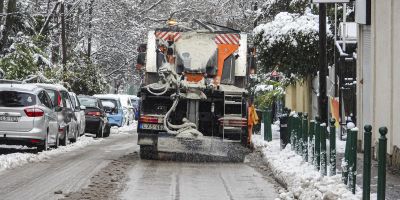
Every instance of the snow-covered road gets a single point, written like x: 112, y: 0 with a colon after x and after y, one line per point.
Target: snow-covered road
x: 67, y: 169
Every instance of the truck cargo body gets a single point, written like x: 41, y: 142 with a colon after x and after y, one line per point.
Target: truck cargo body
x: 199, y: 78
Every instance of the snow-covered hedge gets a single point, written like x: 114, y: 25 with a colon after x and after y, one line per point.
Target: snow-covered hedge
x: 289, y: 44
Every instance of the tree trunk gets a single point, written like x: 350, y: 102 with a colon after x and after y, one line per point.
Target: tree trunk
x: 89, y: 47
x: 63, y: 37
x: 1, y: 10
x: 11, y: 8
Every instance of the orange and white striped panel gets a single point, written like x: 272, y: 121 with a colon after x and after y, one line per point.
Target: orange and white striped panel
x: 228, y: 38
x: 165, y: 35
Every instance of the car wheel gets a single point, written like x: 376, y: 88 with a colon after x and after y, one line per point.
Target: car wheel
x: 57, y: 142
x: 75, y: 136
x: 64, y: 141
x: 45, y: 145
x: 100, y: 131
x: 107, y: 131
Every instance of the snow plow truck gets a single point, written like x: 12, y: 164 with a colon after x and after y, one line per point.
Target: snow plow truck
x: 194, y: 90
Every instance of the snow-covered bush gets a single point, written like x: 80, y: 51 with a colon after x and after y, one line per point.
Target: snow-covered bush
x: 290, y: 44
x: 24, y: 58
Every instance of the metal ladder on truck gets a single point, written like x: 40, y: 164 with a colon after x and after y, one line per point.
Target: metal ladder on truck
x: 231, y: 121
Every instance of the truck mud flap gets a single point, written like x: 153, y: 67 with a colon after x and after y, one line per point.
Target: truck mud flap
x: 147, y: 139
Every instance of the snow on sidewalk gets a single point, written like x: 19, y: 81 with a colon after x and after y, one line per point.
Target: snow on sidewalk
x: 13, y: 160
x: 301, y: 178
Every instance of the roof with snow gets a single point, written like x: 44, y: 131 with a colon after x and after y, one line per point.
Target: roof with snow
x: 20, y: 87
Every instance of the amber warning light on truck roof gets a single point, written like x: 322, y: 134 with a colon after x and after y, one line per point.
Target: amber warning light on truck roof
x: 172, y: 22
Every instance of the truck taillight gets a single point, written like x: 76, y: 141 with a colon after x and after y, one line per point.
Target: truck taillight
x: 233, y: 122
x: 149, y: 119
x: 34, y: 112
x: 94, y: 114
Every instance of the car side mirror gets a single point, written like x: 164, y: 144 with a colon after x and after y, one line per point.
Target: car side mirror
x: 82, y: 107
x: 58, y: 109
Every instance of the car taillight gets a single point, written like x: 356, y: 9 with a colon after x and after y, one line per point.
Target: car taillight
x: 34, y: 112
x: 94, y: 113
x: 149, y: 119
x: 59, y: 100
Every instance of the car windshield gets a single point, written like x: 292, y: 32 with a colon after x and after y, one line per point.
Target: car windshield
x: 88, y: 102
x: 16, y: 99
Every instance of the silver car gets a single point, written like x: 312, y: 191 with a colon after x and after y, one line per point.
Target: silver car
x: 62, y: 102
x: 27, y: 117
x: 79, y: 113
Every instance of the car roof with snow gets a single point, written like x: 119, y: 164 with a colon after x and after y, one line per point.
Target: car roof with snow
x: 20, y: 87
x: 51, y: 86
x: 107, y: 96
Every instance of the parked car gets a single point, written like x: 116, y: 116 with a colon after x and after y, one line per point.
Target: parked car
x: 113, y: 108
x: 27, y: 117
x: 127, y: 108
x: 135, y: 103
x: 67, y: 121
x: 96, y: 118
x: 79, y: 113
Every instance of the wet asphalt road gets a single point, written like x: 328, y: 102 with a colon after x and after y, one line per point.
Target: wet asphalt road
x: 182, y: 180
x: 112, y: 169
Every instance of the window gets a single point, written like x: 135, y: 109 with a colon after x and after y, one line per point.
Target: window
x: 88, y: 102
x: 74, y: 103
x: 44, y: 99
x: 66, y: 98
x: 16, y: 99
x: 53, y: 96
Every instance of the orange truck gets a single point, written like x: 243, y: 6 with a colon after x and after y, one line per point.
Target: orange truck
x: 194, y: 86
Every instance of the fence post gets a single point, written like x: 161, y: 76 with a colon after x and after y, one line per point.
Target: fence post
x: 312, y: 144
x: 267, y: 125
x: 346, y: 159
x: 382, y: 163
x: 305, y: 137
x: 353, y: 160
x: 323, y: 133
x: 299, y: 145
x: 367, y: 163
x: 332, y: 147
x: 317, y: 144
x: 294, y: 132
x: 290, y: 126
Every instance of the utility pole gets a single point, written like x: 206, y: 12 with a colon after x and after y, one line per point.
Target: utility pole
x: 63, y: 37
x: 322, y: 98
x: 89, y: 47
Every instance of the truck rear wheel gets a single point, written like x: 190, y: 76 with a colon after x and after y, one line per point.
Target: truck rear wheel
x: 148, y: 152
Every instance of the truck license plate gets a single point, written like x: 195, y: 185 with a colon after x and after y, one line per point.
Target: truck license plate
x: 159, y: 127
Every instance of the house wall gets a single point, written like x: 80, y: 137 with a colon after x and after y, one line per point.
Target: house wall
x: 298, y: 97
x: 379, y: 84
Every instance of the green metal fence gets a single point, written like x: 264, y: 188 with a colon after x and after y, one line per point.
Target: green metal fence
x: 309, y: 139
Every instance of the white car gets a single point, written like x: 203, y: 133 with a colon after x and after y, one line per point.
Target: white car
x: 127, y: 108
x: 79, y: 113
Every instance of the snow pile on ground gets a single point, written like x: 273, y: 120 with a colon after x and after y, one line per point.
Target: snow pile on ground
x: 300, y: 178
x: 9, y: 161
x: 124, y: 129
